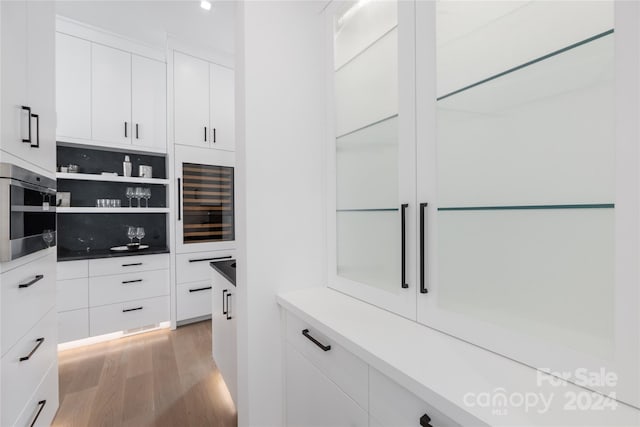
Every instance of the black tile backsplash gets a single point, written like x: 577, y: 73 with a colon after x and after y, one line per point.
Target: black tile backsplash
x: 85, y: 193
x: 98, y: 161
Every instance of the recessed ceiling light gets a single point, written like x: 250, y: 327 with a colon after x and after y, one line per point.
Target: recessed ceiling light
x: 205, y: 5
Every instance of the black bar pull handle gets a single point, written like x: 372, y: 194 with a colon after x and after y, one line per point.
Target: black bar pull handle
x: 39, y: 342
x: 228, y: 310
x: 224, y: 299
x: 32, y: 281
x: 425, y: 421
x: 126, y: 126
x: 28, y: 110
x: 205, y: 134
x: 131, y: 281
x: 133, y: 264
x: 214, y: 135
x: 200, y: 289
x: 403, y: 249
x: 210, y: 259
x: 179, y: 200
x: 126, y: 310
x: 137, y: 132
x: 37, y: 117
x: 306, y: 333
x: 41, y: 405
x: 423, y: 287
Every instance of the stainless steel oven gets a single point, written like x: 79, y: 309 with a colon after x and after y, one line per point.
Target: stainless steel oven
x: 27, y: 212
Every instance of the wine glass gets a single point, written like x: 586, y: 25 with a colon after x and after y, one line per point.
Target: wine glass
x: 130, y: 194
x: 140, y: 234
x: 47, y: 236
x: 131, y: 233
x: 138, y: 194
x: 147, y: 196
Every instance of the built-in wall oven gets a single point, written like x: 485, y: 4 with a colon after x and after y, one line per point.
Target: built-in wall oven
x: 27, y: 212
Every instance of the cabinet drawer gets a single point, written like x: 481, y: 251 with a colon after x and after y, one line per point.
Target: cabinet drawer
x: 20, y: 379
x: 128, y: 264
x: 125, y: 287
x: 72, y: 294
x: 73, y: 325
x: 349, y: 372
x: 195, y: 267
x: 45, y: 397
x: 194, y: 300
x: 72, y: 269
x: 128, y: 315
x: 392, y: 404
x: 22, y: 307
x: 314, y: 400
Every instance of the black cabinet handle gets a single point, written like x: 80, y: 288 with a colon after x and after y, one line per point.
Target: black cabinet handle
x: 137, y: 131
x: 179, y: 200
x: 132, y: 264
x: 41, y: 404
x: 39, y: 342
x: 228, y: 311
x: 423, y: 287
x: 214, y: 135
x: 131, y: 281
x: 32, y: 281
x: 205, y: 134
x: 306, y: 333
x: 403, y: 232
x: 125, y: 129
x: 126, y: 310
x: 200, y: 289
x: 425, y: 421
x: 37, y: 117
x: 224, y: 308
x: 210, y: 259
x: 28, y: 110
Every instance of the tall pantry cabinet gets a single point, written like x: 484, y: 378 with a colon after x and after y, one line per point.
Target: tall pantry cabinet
x: 509, y: 218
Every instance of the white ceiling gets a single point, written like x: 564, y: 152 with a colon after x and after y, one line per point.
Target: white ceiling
x: 149, y: 21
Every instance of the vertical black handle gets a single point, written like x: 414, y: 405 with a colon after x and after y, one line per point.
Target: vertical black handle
x: 126, y: 126
x: 224, y: 308
x: 37, y: 116
x: 425, y: 421
x: 179, y: 200
x: 41, y: 407
x: 28, y: 110
x: 205, y: 134
x: 423, y: 287
x: 214, y: 135
x: 403, y: 249
x: 137, y: 132
x: 228, y: 311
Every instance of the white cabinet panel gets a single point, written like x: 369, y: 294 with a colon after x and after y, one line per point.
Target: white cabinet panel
x: 73, y: 325
x: 149, y: 103
x: 110, y: 95
x: 43, y: 404
x: 312, y: 399
x: 126, y: 287
x: 191, y: 100
x: 126, y: 265
x: 72, y: 269
x: 73, y: 87
x: 223, y: 322
x: 72, y: 294
x: 222, y: 106
x: 194, y: 267
x: 193, y: 299
x: 128, y: 315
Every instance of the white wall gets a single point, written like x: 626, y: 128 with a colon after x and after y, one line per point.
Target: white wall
x: 280, y: 186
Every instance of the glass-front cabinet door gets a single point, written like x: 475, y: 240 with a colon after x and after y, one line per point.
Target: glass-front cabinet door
x: 372, y: 152
x: 528, y: 165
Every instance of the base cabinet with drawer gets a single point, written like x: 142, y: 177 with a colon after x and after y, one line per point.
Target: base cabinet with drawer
x: 223, y: 324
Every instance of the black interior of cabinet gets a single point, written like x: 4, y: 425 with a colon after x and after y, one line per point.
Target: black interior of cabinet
x: 98, y: 161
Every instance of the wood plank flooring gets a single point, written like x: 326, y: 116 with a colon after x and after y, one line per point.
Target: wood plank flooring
x: 161, y: 378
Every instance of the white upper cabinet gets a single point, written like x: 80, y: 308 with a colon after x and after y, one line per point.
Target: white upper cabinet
x: 204, y: 103
x: 191, y: 100
x: 73, y: 87
x: 148, y: 103
x: 111, y: 95
x: 28, y: 89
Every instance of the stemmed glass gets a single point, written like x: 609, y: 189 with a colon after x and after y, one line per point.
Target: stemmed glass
x: 139, y: 194
x: 47, y: 236
x: 131, y: 233
x: 130, y: 194
x: 147, y: 196
x: 140, y: 234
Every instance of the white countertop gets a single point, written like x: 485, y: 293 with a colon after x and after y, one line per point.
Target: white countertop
x: 448, y: 372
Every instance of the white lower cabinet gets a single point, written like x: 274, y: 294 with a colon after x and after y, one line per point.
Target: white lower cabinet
x: 73, y: 325
x: 43, y: 404
x: 194, y: 300
x: 223, y: 324
x: 128, y: 315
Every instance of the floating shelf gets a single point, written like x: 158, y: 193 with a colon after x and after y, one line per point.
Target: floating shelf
x: 125, y: 210
x: 111, y: 178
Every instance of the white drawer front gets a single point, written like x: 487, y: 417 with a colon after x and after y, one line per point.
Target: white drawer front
x: 73, y: 269
x: 73, y: 325
x: 45, y: 397
x: 349, y: 372
x: 125, y: 287
x: 72, y: 294
x: 128, y: 315
x: 393, y: 405
x: 127, y: 264
x: 194, y: 300
x: 21, y: 378
x: 195, y: 267
x: 22, y: 307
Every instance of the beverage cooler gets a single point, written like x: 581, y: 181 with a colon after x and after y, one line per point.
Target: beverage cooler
x: 205, y: 192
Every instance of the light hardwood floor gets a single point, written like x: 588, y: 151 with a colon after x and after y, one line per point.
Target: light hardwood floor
x: 161, y: 378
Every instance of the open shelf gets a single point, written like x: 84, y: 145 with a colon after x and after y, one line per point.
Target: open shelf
x: 110, y: 178
x: 125, y: 210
